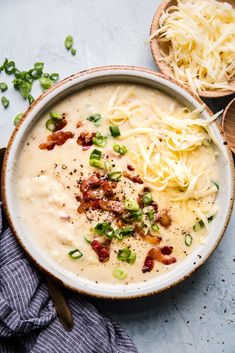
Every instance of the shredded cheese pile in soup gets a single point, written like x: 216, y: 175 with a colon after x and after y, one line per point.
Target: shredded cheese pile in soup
x: 117, y: 183
x: 201, y: 39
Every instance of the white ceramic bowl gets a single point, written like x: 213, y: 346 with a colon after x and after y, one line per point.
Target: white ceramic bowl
x: 57, y: 92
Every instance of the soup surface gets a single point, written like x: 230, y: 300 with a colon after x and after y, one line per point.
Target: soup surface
x: 118, y: 183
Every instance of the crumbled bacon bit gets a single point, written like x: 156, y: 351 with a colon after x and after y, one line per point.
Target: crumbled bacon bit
x: 59, y: 124
x: 155, y: 206
x: 156, y: 254
x: 91, y: 195
x: 79, y: 124
x: 167, y: 250
x: 101, y: 250
x: 148, y: 264
x: 56, y: 138
x: 85, y: 139
x: 130, y: 167
x: 114, y: 206
x: 133, y: 177
x: 152, y: 240
x: 165, y: 220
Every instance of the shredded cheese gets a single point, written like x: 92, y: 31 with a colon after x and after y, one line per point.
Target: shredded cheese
x: 201, y: 38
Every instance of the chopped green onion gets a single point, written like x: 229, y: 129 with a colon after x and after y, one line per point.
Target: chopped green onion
x: 96, y: 119
x: 88, y: 241
x: 118, y: 234
x: 45, y: 82
x: 127, y: 231
x: 150, y: 215
x: 5, y: 102
x: 210, y: 219
x: 75, y: 254
x: 131, y: 205
x: 132, y: 257
x: 31, y: 99
x: 215, y: 183
x: 119, y: 273
x: 115, y: 132
x: 115, y: 176
x: 96, y: 163
x: 105, y: 229
x: 25, y: 88
x: 147, y: 198
x: 50, y: 124
x: 17, y: 118
x: 96, y: 154
x: 68, y: 42
x: 155, y: 227
x: 133, y: 216
x: 54, y: 77
x: 35, y: 73
x: 17, y: 73
x: 123, y: 254
x: 200, y: 224
x: 55, y: 115
x: 121, y: 149
x: 3, y: 65
x: 39, y: 65
x: 46, y: 75
x: 73, y: 51
x: 99, y: 140
x: 3, y: 86
x: 9, y: 67
x: 188, y: 239
x: 107, y: 166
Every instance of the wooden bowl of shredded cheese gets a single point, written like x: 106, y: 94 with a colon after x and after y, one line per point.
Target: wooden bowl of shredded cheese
x: 194, y: 43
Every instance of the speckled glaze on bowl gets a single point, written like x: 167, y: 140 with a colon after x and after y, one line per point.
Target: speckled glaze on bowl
x: 59, y: 91
x: 156, y: 48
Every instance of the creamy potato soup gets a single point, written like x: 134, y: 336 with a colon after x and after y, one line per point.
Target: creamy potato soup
x: 117, y: 183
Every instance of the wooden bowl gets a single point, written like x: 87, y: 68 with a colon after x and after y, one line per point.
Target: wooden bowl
x: 228, y: 124
x: 157, y: 46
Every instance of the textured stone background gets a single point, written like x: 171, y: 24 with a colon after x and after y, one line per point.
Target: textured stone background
x: 197, y: 316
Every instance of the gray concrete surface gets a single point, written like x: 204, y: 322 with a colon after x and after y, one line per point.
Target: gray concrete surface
x: 198, y: 316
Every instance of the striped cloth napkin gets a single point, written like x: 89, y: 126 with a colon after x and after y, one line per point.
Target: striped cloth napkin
x: 28, y: 321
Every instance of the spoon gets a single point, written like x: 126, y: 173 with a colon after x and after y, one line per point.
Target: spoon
x: 228, y: 124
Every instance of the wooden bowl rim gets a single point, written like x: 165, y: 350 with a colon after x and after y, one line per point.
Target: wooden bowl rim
x: 164, y: 68
x: 223, y: 122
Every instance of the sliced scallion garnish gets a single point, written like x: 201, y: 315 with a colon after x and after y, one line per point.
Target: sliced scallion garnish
x: 119, y: 273
x: 75, y: 254
x: 68, y: 43
x: 30, y: 99
x: 99, y: 140
x: 9, y: 67
x: 45, y: 82
x: 126, y: 255
x: 54, y: 77
x: 17, y: 118
x: 73, y: 51
x: 115, y: 132
x: 39, y: 65
x: 55, y: 115
x: 95, y: 119
x: 87, y: 240
x: 107, y: 166
x: 121, y: 149
x: 155, y: 227
x: 5, y: 102
x: 147, y: 198
x: 96, y: 154
x: 115, y: 176
x: 131, y: 205
x: 3, y: 86
x: 188, y: 239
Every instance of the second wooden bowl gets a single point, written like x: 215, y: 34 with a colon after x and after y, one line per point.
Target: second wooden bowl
x: 157, y: 47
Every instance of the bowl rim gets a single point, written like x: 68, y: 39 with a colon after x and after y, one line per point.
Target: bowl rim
x: 224, y: 118
x: 103, y: 69
x: 164, y: 68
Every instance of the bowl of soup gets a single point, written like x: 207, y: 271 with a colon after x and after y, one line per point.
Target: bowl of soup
x: 118, y: 182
